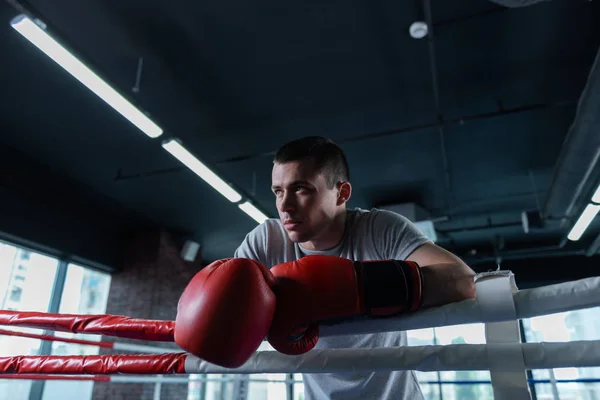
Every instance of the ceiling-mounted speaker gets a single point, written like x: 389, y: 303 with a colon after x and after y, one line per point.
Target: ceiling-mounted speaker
x: 189, y: 251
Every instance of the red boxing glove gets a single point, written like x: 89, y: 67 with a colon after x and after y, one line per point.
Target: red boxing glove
x: 225, y: 311
x: 319, y: 288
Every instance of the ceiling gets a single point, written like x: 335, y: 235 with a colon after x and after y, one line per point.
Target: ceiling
x: 473, y: 123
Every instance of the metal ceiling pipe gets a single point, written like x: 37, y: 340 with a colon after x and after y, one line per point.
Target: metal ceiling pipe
x: 575, y: 169
x: 516, y: 3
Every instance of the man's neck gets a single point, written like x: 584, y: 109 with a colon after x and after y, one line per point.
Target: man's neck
x: 332, y: 237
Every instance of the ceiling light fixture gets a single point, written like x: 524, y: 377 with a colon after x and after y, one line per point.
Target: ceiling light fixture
x: 253, y: 212
x: 43, y: 41
x: 182, y: 154
x: 585, y: 219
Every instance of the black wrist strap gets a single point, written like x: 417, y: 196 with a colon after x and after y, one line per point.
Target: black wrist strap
x: 388, y: 286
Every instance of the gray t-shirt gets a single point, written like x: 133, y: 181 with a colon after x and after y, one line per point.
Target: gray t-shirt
x: 369, y: 235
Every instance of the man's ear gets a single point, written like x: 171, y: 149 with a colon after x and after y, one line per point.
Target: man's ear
x: 344, y: 192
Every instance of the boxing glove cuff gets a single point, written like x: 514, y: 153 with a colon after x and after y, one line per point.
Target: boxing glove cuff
x: 390, y: 287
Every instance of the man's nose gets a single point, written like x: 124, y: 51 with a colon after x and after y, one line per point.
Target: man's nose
x: 287, y: 202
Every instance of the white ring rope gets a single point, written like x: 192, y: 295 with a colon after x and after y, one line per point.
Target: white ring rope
x: 454, y: 357
x: 545, y: 300
x: 528, y: 303
x: 584, y: 293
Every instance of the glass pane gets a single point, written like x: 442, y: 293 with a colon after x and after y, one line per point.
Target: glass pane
x: 431, y: 391
x: 543, y: 391
x: 467, y: 392
x: 298, y: 391
x: 579, y: 390
x: 85, y: 292
x: 267, y: 391
x: 26, y: 282
x: 214, y: 387
x: 227, y: 389
x: 269, y: 386
x: 422, y: 337
x: 196, y: 387
x: 460, y: 334
x: 565, y: 327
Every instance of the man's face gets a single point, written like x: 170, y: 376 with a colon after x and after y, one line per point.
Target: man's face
x: 306, y: 206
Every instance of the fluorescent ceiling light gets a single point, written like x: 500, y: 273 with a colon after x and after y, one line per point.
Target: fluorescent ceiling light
x: 38, y: 36
x: 585, y: 219
x: 596, y: 196
x: 253, y: 212
x: 179, y: 152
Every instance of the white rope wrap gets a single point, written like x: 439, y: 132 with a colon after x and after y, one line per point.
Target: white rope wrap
x: 454, y: 357
x: 495, y: 295
x: 576, y: 295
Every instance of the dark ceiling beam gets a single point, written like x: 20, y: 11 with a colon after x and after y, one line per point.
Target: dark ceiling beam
x: 461, y: 18
x: 500, y: 112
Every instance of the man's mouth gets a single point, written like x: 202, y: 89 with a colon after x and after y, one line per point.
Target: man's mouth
x: 290, y: 223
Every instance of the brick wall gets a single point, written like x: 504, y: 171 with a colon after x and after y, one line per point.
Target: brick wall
x: 149, y: 286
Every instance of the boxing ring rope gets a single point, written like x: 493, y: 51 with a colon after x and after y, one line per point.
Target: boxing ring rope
x: 178, y: 379
x: 456, y: 357
x: 103, y: 324
x: 528, y: 303
x: 138, y: 348
x: 545, y: 300
x: 551, y: 299
x: 175, y: 379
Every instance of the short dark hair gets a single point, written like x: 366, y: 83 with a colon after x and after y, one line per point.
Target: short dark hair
x: 329, y: 158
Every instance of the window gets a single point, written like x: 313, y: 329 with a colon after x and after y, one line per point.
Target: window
x: 85, y: 292
x: 452, y: 385
x: 446, y: 385
x: 565, y: 383
x: 26, y: 281
x: 267, y: 386
x: 559, y: 383
x: 30, y: 281
x: 256, y: 386
x: 298, y: 387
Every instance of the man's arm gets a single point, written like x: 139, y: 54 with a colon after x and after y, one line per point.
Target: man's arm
x: 447, y: 278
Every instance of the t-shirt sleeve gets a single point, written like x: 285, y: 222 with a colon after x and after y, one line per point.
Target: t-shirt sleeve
x: 254, y: 244
x: 395, y: 236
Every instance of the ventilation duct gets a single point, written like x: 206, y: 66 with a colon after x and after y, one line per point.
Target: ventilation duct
x: 577, y: 167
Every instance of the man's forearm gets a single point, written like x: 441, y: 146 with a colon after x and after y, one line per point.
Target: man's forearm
x: 447, y: 283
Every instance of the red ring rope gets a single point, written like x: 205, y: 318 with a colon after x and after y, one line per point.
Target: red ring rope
x: 106, y: 345
x: 103, y: 324
x: 173, y: 363
x: 47, y: 377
